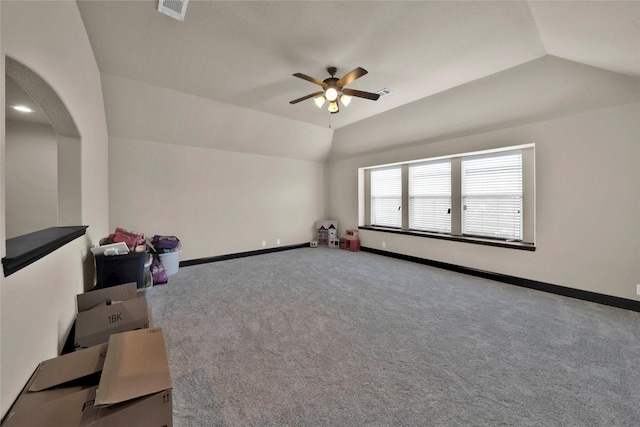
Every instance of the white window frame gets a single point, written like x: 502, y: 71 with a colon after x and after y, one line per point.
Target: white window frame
x: 527, y: 240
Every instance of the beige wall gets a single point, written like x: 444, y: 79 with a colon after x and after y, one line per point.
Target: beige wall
x: 38, y: 303
x: 141, y: 111
x: 587, y: 198
x: 31, y: 178
x: 217, y: 202
x: 222, y: 178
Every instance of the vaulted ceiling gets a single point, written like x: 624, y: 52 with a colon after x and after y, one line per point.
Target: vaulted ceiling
x: 490, y: 63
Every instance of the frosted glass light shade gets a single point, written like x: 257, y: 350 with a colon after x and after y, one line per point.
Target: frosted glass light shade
x: 345, y: 99
x: 331, y: 94
x: 319, y: 101
x: 333, y: 107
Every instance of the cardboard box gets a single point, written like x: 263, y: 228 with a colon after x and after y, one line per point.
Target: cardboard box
x: 134, y: 387
x: 108, y: 311
x: 136, y: 365
x: 91, y: 299
x: 77, y: 370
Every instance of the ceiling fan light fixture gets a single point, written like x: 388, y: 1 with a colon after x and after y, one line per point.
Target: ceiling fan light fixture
x: 334, y: 88
x: 331, y: 94
x: 345, y: 99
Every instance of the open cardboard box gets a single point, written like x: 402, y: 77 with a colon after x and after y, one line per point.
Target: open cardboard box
x: 125, y: 382
x: 107, y: 311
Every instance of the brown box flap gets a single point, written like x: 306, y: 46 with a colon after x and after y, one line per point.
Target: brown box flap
x: 91, y: 299
x: 136, y: 365
x: 69, y: 367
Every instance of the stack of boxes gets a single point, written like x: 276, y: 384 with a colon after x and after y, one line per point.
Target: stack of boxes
x: 118, y: 375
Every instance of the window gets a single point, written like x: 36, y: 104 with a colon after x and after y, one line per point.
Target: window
x: 485, y: 197
x: 430, y: 196
x: 492, y: 195
x: 386, y: 197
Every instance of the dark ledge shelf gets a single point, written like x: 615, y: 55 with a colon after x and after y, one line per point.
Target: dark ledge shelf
x: 467, y: 239
x: 24, y: 250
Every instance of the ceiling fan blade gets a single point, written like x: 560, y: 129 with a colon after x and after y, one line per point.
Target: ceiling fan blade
x: 310, y: 79
x: 352, y: 75
x: 313, y: 95
x: 361, y: 94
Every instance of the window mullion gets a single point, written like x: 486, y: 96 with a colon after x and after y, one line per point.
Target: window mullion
x: 405, y: 197
x: 528, y: 193
x: 367, y: 196
x: 456, y: 197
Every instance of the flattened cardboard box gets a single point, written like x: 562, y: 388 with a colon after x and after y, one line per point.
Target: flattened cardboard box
x: 136, y: 365
x: 98, y: 321
x: 134, y: 387
x: 77, y: 371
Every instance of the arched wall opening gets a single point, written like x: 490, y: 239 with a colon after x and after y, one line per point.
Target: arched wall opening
x: 42, y: 163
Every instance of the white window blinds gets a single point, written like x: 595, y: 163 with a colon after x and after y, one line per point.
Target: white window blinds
x: 430, y: 196
x: 492, y: 195
x: 386, y: 197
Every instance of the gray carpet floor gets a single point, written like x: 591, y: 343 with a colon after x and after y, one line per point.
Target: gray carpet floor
x: 326, y: 337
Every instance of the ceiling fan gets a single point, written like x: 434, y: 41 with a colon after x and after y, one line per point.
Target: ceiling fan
x: 334, y: 88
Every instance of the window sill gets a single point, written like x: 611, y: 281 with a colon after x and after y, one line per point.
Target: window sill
x: 466, y: 239
x: 27, y: 249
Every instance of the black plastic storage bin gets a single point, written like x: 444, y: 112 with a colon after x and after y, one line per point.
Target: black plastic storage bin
x: 112, y: 270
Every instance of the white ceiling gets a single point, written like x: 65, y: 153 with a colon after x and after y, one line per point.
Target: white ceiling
x: 545, y: 88
x: 245, y: 53
x: 454, y: 68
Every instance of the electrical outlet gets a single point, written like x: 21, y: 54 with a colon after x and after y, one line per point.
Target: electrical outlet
x: 278, y: 242
x: 384, y: 245
x: 264, y: 243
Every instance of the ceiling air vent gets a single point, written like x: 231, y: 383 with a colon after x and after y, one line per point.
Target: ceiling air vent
x: 174, y: 8
x: 383, y: 92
